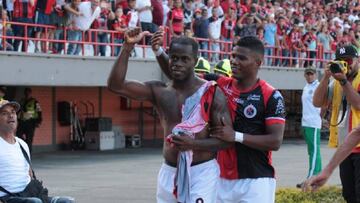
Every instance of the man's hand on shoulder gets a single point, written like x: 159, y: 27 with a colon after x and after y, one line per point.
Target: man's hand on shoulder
x: 224, y: 132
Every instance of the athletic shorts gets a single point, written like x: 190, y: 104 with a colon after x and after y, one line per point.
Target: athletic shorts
x: 247, y: 190
x: 204, y: 183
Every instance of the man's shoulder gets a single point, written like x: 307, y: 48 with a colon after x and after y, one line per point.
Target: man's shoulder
x: 23, y: 144
x: 157, y: 85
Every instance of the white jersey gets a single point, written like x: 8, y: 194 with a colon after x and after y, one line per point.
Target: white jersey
x: 133, y: 18
x: 310, y: 114
x: 14, y: 169
x: 146, y: 15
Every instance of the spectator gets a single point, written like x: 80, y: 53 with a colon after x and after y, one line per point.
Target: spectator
x: 17, y: 179
x: 225, y: 5
x: 100, y: 24
x: 119, y: 25
x: 8, y: 31
x: 30, y: 117
x: 215, y: 32
x: 24, y: 12
x: 269, y: 39
x: 311, y: 123
x: 146, y: 18
x: 198, y: 4
x: 227, y: 29
x: 228, y: 25
x: 325, y: 39
x: 201, y: 30
x: 43, y: 10
x: 176, y: 19
x: 282, y: 46
x: 74, y: 33
x: 344, y: 91
x: 132, y: 16
x: 166, y: 9
x: 8, y: 5
x: 309, y: 40
x: 294, y: 43
x: 121, y: 3
x: 247, y: 25
x: 90, y: 11
x: 188, y: 14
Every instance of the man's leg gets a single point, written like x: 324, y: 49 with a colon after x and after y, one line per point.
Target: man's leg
x: 23, y: 200
x: 165, y: 184
x: 356, y: 163
x: 103, y: 38
x: 29, y: 130
x: 312, y: 138
x: 348, y: 179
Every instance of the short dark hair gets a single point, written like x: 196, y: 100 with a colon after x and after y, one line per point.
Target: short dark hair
x: 186, y: 41
x: 253, y: 43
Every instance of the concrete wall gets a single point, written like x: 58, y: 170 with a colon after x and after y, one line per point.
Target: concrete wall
x: 57, y: 70
x: 50, y: 135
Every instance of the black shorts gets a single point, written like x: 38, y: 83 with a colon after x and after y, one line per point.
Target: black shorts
x: 350, y: 177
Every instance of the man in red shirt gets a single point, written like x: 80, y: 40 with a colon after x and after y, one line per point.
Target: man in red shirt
x: 24, y: 12
x: 119, y: 25
x: 43, y: 10
x: 176, y: 19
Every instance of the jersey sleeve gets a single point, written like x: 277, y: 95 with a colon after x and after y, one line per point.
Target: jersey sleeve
x: 275, y: 110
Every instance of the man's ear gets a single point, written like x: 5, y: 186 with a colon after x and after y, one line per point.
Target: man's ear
x: 259, y: 62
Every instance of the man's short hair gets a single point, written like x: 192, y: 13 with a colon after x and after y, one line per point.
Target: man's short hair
x: 253, y: 43
x: 186, y: 41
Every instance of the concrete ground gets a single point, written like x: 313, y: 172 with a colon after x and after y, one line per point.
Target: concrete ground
x: 129, y: 175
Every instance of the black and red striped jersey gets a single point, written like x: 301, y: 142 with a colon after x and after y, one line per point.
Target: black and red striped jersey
x: 251, y: 110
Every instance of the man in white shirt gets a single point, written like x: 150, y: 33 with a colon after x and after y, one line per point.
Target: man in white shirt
x: 15, y: 171
x: 145, y: 16
x: 215, y: 31
x: 311, y: 122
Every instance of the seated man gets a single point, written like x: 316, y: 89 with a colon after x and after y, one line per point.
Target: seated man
x: 15, y: 169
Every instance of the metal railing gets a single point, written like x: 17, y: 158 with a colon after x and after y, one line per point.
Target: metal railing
x: 211, y: 49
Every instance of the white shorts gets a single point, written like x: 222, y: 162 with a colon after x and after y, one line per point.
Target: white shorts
x: 204, y: 183
x: 247, y: 190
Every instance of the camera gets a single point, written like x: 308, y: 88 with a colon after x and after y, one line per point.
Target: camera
x: 338, y: 66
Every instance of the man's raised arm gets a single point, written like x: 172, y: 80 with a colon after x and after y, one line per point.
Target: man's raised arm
x: 117, y: 82
x: 161, y: 56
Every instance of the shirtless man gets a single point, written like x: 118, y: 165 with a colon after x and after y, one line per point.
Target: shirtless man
x: 169, y: 100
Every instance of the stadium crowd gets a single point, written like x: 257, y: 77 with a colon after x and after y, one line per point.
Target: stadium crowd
x: 296, y: 33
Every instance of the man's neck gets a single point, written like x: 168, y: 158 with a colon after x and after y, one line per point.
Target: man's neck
x: 8, y: 137
x: 187, y: 85
x: 247, y: 83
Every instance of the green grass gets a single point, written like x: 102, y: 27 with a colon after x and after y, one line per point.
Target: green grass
x: 329, y: 194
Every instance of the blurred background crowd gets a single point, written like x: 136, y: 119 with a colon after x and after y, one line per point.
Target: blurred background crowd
x: 299, y: 33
